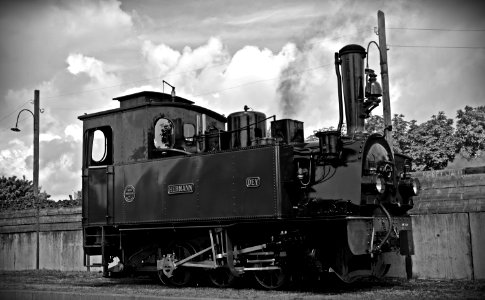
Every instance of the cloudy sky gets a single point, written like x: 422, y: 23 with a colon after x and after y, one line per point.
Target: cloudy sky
x: 223, y: 55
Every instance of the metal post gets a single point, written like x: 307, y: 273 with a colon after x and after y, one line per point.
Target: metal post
x: 36, y: 171
x: 386, y: 102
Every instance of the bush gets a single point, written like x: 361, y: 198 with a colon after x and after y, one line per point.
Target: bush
x: 18, y: 194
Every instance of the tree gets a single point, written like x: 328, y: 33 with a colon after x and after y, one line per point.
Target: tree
x: 470, y: 132
x: 432, y: 143
x: 400, y: 135
x: 374, y: 124
x: 18, y: 193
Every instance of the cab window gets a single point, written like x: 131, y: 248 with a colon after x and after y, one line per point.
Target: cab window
x: 189, y: 133
x: 164, y: 134
x: 100, y: 146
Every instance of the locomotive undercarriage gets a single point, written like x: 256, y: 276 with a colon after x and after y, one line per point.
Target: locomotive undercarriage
x: 285, y: 251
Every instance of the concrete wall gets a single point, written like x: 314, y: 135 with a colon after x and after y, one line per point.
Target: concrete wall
x: 448, y: 225
x: 60, y: 240
x: 442, y: 245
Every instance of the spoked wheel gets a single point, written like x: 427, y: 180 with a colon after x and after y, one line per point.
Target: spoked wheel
x: 179, y: 276
x: 221, y: 277
x: 271, y: 279
x: 162, y: 277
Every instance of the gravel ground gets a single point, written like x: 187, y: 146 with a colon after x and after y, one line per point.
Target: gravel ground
x: 94, y: 283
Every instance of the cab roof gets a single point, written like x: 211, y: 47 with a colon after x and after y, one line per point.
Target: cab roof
x: 150, y: 98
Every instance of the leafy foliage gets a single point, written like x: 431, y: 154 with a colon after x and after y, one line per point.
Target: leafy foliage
x: 470, y: 132
x: 18, y: 194
x: 400, y: 128
x: 375, y: 124
x: 14, y: 191
x: 432, y: 143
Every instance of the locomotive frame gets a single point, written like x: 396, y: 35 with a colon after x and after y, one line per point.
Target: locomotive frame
x: 173, y: 192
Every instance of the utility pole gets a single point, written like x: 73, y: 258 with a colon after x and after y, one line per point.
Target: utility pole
x: 386, y: 102
x: 36, y: 171
x: 36, y: 204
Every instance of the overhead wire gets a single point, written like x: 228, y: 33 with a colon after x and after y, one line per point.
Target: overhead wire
x: 436, y: 29
x: 437, y: 47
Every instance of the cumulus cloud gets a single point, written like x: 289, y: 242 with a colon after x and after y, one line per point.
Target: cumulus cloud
x: 186, y: 69
x: 74, y: 132
x: 161, y: 58
x: 38, y: 36
x: 81, y: 19
x: 94, y: 68
x: 13, y: 158
x: 60, y: 167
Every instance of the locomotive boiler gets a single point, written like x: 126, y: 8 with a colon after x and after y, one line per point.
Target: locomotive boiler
x: 181, y: 191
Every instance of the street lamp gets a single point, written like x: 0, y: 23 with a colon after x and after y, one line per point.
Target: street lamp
x: 35, y: 114
x: 16, y: 128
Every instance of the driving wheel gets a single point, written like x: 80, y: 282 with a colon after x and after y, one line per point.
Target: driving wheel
x: 270, y: 279
x: 221, y: 277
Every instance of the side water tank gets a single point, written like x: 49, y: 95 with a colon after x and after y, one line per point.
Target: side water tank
x: 246, y: 127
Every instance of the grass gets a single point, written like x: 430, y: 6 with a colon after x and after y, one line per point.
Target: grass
x: 94, y: 283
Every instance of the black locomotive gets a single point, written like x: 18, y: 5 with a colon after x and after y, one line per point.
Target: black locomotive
x: 168, y: 188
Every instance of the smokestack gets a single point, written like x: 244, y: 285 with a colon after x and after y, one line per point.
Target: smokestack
x: 352, y: 60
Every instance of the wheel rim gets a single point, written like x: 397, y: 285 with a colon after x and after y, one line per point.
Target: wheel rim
x: 162, y: 277
x: 221, y: 277
x: 271, y: 279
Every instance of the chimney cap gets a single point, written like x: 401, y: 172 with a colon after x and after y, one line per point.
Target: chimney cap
x: 352, y: 48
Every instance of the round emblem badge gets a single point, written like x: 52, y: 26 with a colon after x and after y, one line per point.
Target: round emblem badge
x: 129, y: 193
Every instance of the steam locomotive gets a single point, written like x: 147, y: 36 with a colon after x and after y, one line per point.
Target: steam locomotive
x: 181, y: 191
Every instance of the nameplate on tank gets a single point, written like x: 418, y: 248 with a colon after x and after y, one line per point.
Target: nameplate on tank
x: 183, y: 188
x: 129, y: 193
x: 253, y: 182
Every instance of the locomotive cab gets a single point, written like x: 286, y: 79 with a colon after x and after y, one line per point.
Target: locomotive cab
x: 147, y: 126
